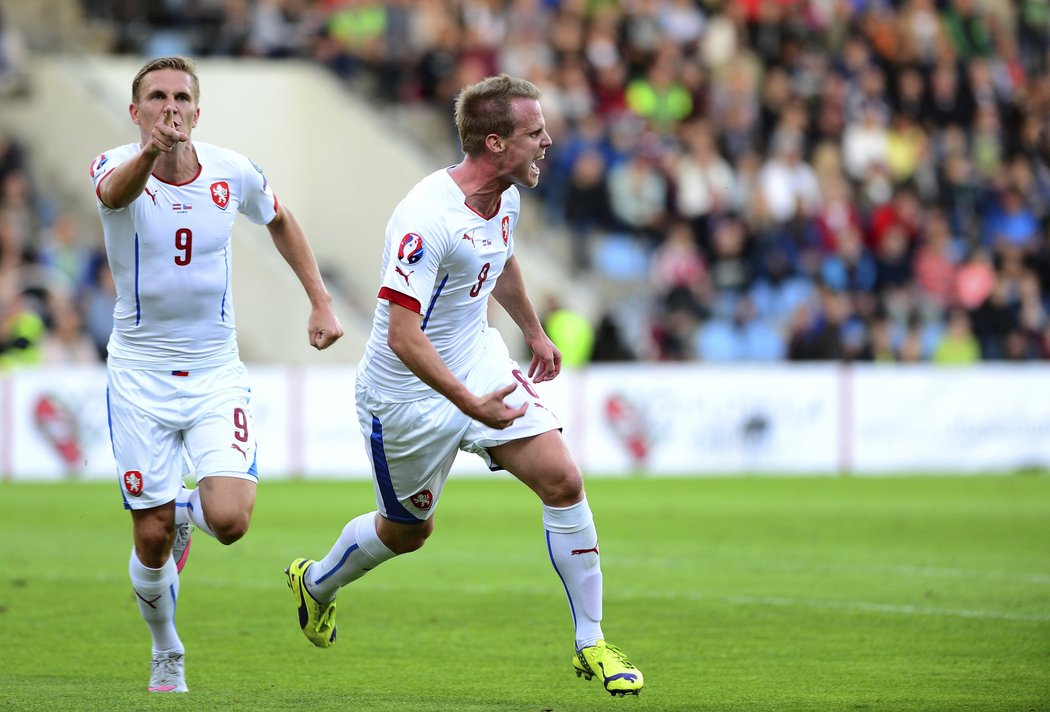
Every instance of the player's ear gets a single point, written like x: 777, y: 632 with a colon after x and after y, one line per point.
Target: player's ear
x: 196, y: 118
x: 134, y: 111
x: 495, y: 143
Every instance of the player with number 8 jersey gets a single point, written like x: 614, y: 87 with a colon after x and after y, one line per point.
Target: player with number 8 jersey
x: 435, y: 379
x: 442, y: 260
x: 177, y: 390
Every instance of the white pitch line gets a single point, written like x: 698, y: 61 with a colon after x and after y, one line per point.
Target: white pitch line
x: 782, y: 601
x: 867, y: 606
x: 1038, y: 579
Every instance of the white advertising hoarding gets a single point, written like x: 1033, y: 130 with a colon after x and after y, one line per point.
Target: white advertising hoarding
x: 663, y: 419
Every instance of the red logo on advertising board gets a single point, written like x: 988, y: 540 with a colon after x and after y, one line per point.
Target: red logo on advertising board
x: 133, y: 482
x: 220, y: 194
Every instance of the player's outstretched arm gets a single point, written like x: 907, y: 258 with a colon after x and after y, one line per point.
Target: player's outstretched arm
x: 323, y: 328
x: 407, y: 341
x: 126, y: 182
x: 510, y: 293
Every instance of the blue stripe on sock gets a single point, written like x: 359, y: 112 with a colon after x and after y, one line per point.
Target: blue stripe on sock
x: 346, y: 555
x: 572, y: 608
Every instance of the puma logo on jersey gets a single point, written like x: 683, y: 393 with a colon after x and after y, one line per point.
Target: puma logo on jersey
x: 577, y: 552
x: 404, y: 274
x: 241, y: 450
x: 474, y: 241
x: 152, y: 196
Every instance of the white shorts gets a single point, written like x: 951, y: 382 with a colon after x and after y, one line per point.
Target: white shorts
x: 161, y: 420
x: 412, y: 445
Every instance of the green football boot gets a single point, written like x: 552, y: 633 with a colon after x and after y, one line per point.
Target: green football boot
x: 606, y: 661
x: 316, y: 620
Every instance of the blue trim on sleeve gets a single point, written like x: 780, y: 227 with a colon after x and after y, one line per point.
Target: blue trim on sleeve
x: 433, y: 300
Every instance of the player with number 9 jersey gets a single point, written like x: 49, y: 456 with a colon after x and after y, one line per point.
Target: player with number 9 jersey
x: 170, y: 252
x: 178, y: 397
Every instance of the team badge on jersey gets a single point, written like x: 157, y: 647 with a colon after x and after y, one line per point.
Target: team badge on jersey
x: 220, y: 194
x: 411, y: 249
x: 505, y: 226
x: 133, y: 482
x: 97, y: 164
x: 423, y: 499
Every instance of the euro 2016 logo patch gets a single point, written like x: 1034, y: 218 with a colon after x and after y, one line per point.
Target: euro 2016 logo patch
x: 411, y: 249
x: 97, y: 164
x: 423, y: 500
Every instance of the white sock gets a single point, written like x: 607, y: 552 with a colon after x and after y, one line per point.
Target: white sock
x: 188, y: 509
x: 157, y: 591
x: 573, y: 546
x: 357, y: 551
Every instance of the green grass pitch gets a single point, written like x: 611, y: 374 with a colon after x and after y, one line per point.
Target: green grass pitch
x: 752, y: 593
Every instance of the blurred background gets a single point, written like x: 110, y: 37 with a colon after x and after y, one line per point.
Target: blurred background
x: 743, y: 184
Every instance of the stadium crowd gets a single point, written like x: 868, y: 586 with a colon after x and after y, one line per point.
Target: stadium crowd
x: 787, y: 179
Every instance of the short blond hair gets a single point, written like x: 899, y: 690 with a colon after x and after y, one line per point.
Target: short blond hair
x: 182, y: 64
x: 484, y: 108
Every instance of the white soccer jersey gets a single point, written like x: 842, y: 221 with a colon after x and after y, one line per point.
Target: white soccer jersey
x: 170, y: 255
x: 441, y: 260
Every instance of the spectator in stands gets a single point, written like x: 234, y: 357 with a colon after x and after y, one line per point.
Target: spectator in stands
x: 97, y: 299
x: 958, y: 88
x: 957, y: 346
x: 66, y: 343
x: 703, y: 182
x: 570, y: 331
x: 638, y: 194
x: 789, y: 184
x: 994, y: 320
x: 21, y: 331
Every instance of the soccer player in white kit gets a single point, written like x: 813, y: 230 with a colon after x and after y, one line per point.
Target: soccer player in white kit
x: 177, y: 389
x: 436, y: 379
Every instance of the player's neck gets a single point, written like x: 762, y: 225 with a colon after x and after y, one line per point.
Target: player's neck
x: 481, y: 189
x: 178, y: 167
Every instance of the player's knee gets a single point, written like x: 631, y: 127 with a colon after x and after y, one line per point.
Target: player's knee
x: 231, y: 529
x: 152, y: 544
x: 408, y: 544
x: 564, y: 487
x: 402, y: 539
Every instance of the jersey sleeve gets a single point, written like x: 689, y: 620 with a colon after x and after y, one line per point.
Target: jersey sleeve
x: 415, y: 250
x: 102, y: 166
x: 258, y: 202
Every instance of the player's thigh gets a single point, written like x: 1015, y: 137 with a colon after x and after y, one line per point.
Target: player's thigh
x: 496, y: 370
x: 543, y: 463
x: 147, y: 442
x: 412, y: 447
x: 220, y: 439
